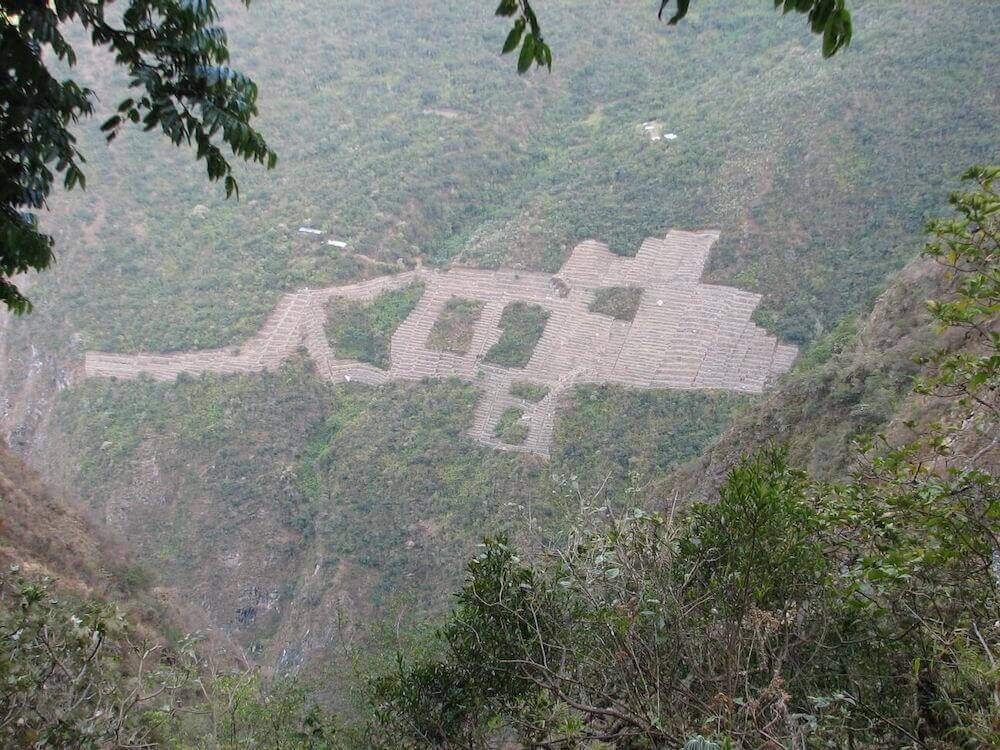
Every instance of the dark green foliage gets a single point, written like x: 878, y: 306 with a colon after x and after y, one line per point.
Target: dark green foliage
x: 522, y: 324
x: 619, y: 302
x: 510, y: 428
x: 788, y: 612
x: 176, y: 58
x: 534, y: 50
x: 363, y: 331
x: 969, y: 247
x: 831, y: 18
x: 760, y: 538
x: 455, y: 326
x: 528, y: 391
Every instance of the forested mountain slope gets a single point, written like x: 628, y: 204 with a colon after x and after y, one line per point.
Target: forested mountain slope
x: 858, y: 380
x: 818, y: 173
x: 44, y: 535
x: 787, y: 609
x: 276, y: 501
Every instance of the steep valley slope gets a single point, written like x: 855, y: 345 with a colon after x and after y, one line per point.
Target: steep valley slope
x: 858, y: 380
x: 295, y: 512
x: 44, y: 534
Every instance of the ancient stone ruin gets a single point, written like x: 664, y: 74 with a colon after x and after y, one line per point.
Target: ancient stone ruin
x: 685, y: 334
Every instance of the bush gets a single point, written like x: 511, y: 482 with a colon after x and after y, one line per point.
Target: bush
x: 528, y: 391
x: 363, y: 332
x: 510, y: 427
x: 522, y: 324
x: 455, y: 327
x: 72, y: 676
x: 619, y: 302
x: 788, y: 614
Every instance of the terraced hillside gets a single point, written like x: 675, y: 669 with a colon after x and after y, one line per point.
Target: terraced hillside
x: 684, y: 335
x: 277, y: 499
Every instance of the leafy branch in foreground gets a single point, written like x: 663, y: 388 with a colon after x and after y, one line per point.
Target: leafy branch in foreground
x: 969, y: 247
x: 72, y: 675
x: 788, y: 614
x: 176, y: 57
x: 534, y: 50
x: 829, y: 18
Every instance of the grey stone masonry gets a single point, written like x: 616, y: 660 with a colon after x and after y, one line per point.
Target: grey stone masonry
x: 685, y: 335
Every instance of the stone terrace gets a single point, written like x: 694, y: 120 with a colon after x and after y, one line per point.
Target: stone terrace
x: 685, y: 335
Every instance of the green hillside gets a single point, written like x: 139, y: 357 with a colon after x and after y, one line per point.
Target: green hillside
x: 279, y: 501
x: 375, y: 492
x: 414, y: 138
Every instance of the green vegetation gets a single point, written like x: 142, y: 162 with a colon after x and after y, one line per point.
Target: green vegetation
x: 418, y: 157
x: 77, y: 674
x: 510, y: 428
x: 830, y: 18
x: 363, y: 331
x: 787, y: 612
x: 614, y: 436
x: 347, y: 476
x: 73, y: 677
x: 528, y: 391
x: 790, y: 611
x: 969, y: 247
x: 176, y: 58
x: 522, y: 325
x: 619, y: 302
x: 242, y: 710
x: 455, y: 326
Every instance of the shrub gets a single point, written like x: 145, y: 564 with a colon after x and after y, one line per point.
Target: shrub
x: 522, y: 324
x: 619, y: 302
x: 528, y: 391
x: 510, y: 428
x: 71, y: 674
x: 788, y: 614
x: 456, y: 325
